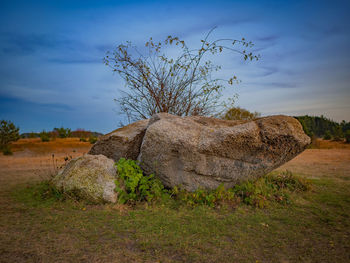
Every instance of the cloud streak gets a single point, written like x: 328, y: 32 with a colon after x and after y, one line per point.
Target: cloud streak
x: 24, y: 44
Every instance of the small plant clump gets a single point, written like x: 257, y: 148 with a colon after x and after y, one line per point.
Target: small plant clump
x: 6, y: 150
x: 272, y: 187
x: 338, y: 134
x: 133, y: 185
x: 327, y: 135
x: 92, y: 139
x: 347, y: 136
x: 46, y: 190
x: 44, y: 136
x: 259, y: 193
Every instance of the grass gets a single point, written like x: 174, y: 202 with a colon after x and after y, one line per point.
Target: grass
x: 313, y: 227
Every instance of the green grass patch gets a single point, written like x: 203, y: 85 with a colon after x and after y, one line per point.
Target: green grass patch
x: 135, y: 188
x: 45, y: 194
x: 278, y: 217
x: 312, y: 227
x: 38, y: 194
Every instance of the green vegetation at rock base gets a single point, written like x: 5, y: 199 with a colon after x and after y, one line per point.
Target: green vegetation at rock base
x: 135, y: 188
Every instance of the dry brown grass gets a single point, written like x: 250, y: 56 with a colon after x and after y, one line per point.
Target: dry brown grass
x: 32, y: 159
x: 329, y: 159
x: 329, y: 144
x: 321, y: 163
x: 57, y: 145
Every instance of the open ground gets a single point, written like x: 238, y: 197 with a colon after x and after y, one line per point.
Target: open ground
x: 315, y: 227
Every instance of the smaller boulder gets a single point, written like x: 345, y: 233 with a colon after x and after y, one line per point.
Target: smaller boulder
x: 121, y: 143
x: 89, y: 177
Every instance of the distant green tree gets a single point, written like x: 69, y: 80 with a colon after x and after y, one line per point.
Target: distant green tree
x: 338, y: 134
x: 62, y: 132
x: 347, y: 136
x: 8, y: 133
x: 327, y: 135
x: 305, y: 126
x: 238, y: 113
x: 44, y: 136
x: 345, y: 126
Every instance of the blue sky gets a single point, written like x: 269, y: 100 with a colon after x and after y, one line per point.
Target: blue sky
x: 52, y: 75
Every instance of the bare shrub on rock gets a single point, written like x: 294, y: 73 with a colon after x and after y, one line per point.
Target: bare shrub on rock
x: 182, y: 85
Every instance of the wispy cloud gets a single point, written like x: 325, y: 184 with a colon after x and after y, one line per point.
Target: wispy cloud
x: 24, y: 44
x: 268, y: 38
x: 272, y: 85
x: 61, y: 107
x: 75, y: 60
x: 267, y: 71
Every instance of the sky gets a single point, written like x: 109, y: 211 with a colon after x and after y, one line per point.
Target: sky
x: 51, y: 53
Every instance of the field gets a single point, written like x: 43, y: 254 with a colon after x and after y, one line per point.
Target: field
x: 315, y: 227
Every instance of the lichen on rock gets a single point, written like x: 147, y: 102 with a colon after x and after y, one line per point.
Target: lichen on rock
x: 89, y: 177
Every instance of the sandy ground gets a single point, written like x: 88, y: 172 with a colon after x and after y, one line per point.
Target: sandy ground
x: 321, y: 162
x: 34, y: 160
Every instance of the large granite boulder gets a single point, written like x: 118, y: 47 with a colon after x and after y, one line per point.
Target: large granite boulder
x: 201, y: 152
x: 90, y: 177
x: 124, y: 142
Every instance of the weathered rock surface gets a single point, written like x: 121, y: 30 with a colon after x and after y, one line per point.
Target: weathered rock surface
x: 90, y: 177
x: 201, y: 152
x: 124, y: 142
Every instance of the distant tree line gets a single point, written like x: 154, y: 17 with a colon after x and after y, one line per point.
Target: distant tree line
x: 9, y: 133
x: 61, y: 133
x: 325, y: 128
x: 64, y: 133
